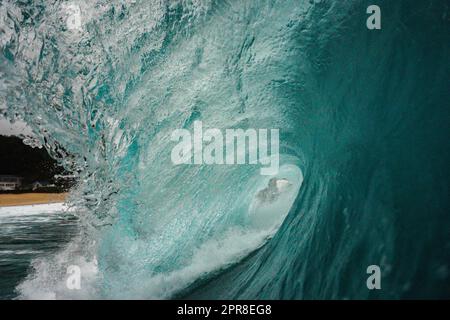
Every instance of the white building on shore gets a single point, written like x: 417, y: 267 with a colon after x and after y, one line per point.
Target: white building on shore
x: 10, y: 182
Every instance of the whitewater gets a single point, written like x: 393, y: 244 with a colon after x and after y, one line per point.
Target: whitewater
x: 363, y: 119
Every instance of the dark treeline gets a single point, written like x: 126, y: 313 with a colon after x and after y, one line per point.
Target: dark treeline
x: 33, y: 164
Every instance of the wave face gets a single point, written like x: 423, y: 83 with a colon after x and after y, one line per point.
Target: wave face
x: 364, y: 126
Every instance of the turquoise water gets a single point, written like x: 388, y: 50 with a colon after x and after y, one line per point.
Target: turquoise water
x: 364, y: 114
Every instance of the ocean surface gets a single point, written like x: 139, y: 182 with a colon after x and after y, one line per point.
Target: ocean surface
x: 27, y: 234
x: 364, y: 120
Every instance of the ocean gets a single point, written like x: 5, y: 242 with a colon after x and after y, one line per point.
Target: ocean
x: 363, y: 118
x: 27, y: 234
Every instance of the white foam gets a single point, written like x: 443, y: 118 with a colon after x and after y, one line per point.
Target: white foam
x: 50, y: 276
x: 28, y: 210
x: 212, y: 256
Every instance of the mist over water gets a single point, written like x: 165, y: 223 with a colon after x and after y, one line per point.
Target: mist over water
x: 364, y: 124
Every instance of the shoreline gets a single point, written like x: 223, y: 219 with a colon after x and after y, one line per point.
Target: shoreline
x: 24, y: 199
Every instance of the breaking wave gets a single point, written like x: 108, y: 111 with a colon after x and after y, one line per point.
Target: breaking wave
x: 363, y: 118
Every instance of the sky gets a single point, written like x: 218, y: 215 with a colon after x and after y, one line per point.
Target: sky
x: 8, y: 129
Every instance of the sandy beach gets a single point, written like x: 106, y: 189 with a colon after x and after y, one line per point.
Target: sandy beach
x: 30, y: 198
